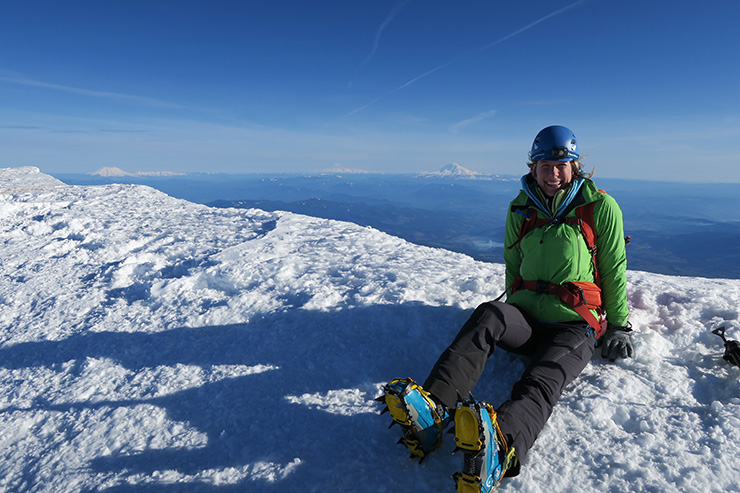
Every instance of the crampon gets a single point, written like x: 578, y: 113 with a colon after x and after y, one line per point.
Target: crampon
x: 486, y: 455
x: 412, y: 408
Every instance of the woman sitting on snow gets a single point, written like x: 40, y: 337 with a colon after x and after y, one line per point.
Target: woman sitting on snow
x: 565, y: 275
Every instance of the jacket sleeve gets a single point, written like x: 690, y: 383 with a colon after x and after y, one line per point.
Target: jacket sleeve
x: 512, y: 256
x: 611, y: 257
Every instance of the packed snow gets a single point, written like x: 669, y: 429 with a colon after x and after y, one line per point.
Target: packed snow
x: 152, y: 344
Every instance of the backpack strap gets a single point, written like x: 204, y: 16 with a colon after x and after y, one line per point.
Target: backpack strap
x: 530, y: 222
x: 582, y: 297
x: 585, y: 219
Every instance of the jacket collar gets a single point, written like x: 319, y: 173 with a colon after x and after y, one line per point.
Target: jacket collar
x: 529, y: 186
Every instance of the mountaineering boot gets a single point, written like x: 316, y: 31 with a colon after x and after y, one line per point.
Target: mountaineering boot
x: 486, y: 456
x: 421, y: 419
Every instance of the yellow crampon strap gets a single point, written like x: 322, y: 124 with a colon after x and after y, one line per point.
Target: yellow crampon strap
x: 509, y: 456
x: 437, y: 419
x: 400, y: 414
x: 397, y: 408
x: 468, y: 436
x: 467, y: 429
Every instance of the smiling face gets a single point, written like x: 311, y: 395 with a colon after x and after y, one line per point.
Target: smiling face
x: 552, y: 176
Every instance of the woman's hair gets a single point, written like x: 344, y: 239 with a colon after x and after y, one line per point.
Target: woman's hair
x: 576, y: 166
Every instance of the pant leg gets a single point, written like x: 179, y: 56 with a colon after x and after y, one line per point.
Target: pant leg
x: 563, y: 352
x: 461, y: 364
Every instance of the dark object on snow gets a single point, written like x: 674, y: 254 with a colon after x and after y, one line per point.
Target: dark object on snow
x: 732, y: 348
x: 617, y: 342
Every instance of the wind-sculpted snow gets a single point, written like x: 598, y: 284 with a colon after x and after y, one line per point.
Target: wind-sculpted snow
x: 152, y: 344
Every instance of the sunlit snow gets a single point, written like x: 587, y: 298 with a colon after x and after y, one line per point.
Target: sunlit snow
x: 151, y: 344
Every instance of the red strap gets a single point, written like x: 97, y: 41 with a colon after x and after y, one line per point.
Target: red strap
x: 582, y: 297
x: 590, y: 319
x: 530, y: 222
x: 585, y: 215
x: 572, y: 294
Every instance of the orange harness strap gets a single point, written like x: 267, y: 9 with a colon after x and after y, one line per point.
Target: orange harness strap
x: 580, y: 296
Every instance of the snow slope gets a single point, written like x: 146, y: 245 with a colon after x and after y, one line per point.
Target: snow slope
x: 152, y: 344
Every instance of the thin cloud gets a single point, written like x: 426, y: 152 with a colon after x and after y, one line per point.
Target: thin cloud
x: 425, y: 74
x: 21, y: 127
x: 394, y: 11
x: 531, y: 25
x: 519, y: 31
x: 357, y: 110
x: 90, y: 93
x: 376, y: 42
x: 470, y: 121
x: 99, y: 130
x: 547, y: 102
x: 429, y: 72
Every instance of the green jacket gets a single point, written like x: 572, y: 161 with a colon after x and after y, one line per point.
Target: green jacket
x: 557, y: 253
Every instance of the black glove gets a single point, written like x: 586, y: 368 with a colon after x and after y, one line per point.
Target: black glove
x: 617, y: 342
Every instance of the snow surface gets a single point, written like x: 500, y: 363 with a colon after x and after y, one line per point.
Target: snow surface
x: 152, y: 344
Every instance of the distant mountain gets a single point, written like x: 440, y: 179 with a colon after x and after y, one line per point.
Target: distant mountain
x: 345, y: 171
x: 456, y: 171
x: 112, y: 171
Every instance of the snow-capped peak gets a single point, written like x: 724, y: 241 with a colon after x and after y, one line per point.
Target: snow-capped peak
x: 454, y: 170
x: 111, y: 171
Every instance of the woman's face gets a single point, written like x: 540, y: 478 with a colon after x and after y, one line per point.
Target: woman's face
x: 552, y: 176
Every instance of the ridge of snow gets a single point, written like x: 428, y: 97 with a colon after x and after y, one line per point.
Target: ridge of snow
x: 27, y: 178
x: 149, y: 342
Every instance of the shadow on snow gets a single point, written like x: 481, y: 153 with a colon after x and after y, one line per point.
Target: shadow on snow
x: 247, y: 419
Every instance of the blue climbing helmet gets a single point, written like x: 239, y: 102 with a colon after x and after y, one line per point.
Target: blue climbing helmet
x: 554, y: 143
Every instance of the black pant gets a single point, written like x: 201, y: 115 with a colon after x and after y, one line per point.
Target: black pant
x: 559, y: 352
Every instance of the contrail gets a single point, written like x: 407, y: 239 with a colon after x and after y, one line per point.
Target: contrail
x: 529, y: 26
x: 477, y: 118
x: 423, y: 75
x: 90, y: 93
x: 396, y: 8
x: 357, y: 110
x: 429, y: 72
x: 394, y: 11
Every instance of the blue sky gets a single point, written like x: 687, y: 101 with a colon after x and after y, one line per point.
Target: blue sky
x: 649, y: 87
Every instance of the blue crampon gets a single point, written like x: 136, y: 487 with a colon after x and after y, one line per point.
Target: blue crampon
x: 486, y: 455
x: 413, y: 408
